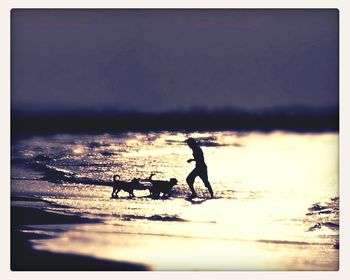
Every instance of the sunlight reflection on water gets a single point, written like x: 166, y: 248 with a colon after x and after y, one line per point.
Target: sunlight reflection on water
x: 264, y: 184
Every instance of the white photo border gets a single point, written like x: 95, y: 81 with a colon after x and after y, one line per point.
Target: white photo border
x: 344, y: 142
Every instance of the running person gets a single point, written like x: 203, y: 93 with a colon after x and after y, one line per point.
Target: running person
x: 200, y: 169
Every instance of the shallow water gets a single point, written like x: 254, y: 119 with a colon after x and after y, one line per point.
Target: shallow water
x: 276, y: 205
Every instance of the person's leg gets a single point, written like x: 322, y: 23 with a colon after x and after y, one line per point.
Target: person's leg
x: 190, y: 180
x: 204, y: 176
x: 207, y: 184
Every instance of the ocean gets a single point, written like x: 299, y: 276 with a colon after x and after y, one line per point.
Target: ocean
x: 275, y: 205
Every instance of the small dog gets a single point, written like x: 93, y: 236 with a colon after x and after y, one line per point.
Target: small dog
x: 129, y: 187
x: 160, y: 186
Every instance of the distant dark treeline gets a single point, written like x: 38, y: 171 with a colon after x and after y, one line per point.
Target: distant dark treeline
x: 291, y: 120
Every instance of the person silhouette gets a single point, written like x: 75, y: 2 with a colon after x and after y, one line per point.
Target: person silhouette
x: 200, y: 170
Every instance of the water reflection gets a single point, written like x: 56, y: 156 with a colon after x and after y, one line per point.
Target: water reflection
x: 264, y: 184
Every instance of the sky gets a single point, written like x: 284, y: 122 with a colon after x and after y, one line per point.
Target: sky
x: 173, y: 60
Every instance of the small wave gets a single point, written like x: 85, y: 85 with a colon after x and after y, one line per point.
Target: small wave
x: 206, y: 138
x: 331, y: 206
x: 56, y: 175
x: 172, y: 141
x: 212, y: 144
x: 324, y: 215
x: 330, y: 225
x: 287, y: 242
x: 95, y: 144
x: 205, y: 142
x: 317, y: 207
x: 210, y: 141
x: 85, y: 164
x: 164, y: 218
x: 59, y: 175
x: 216, y: 144
x: 107, y: 153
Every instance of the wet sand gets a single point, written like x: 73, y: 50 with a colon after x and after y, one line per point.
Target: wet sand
x: 25, y: 258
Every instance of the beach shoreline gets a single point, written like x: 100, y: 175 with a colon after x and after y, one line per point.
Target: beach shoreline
x: 25, y: 258
x: 33, y: 222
